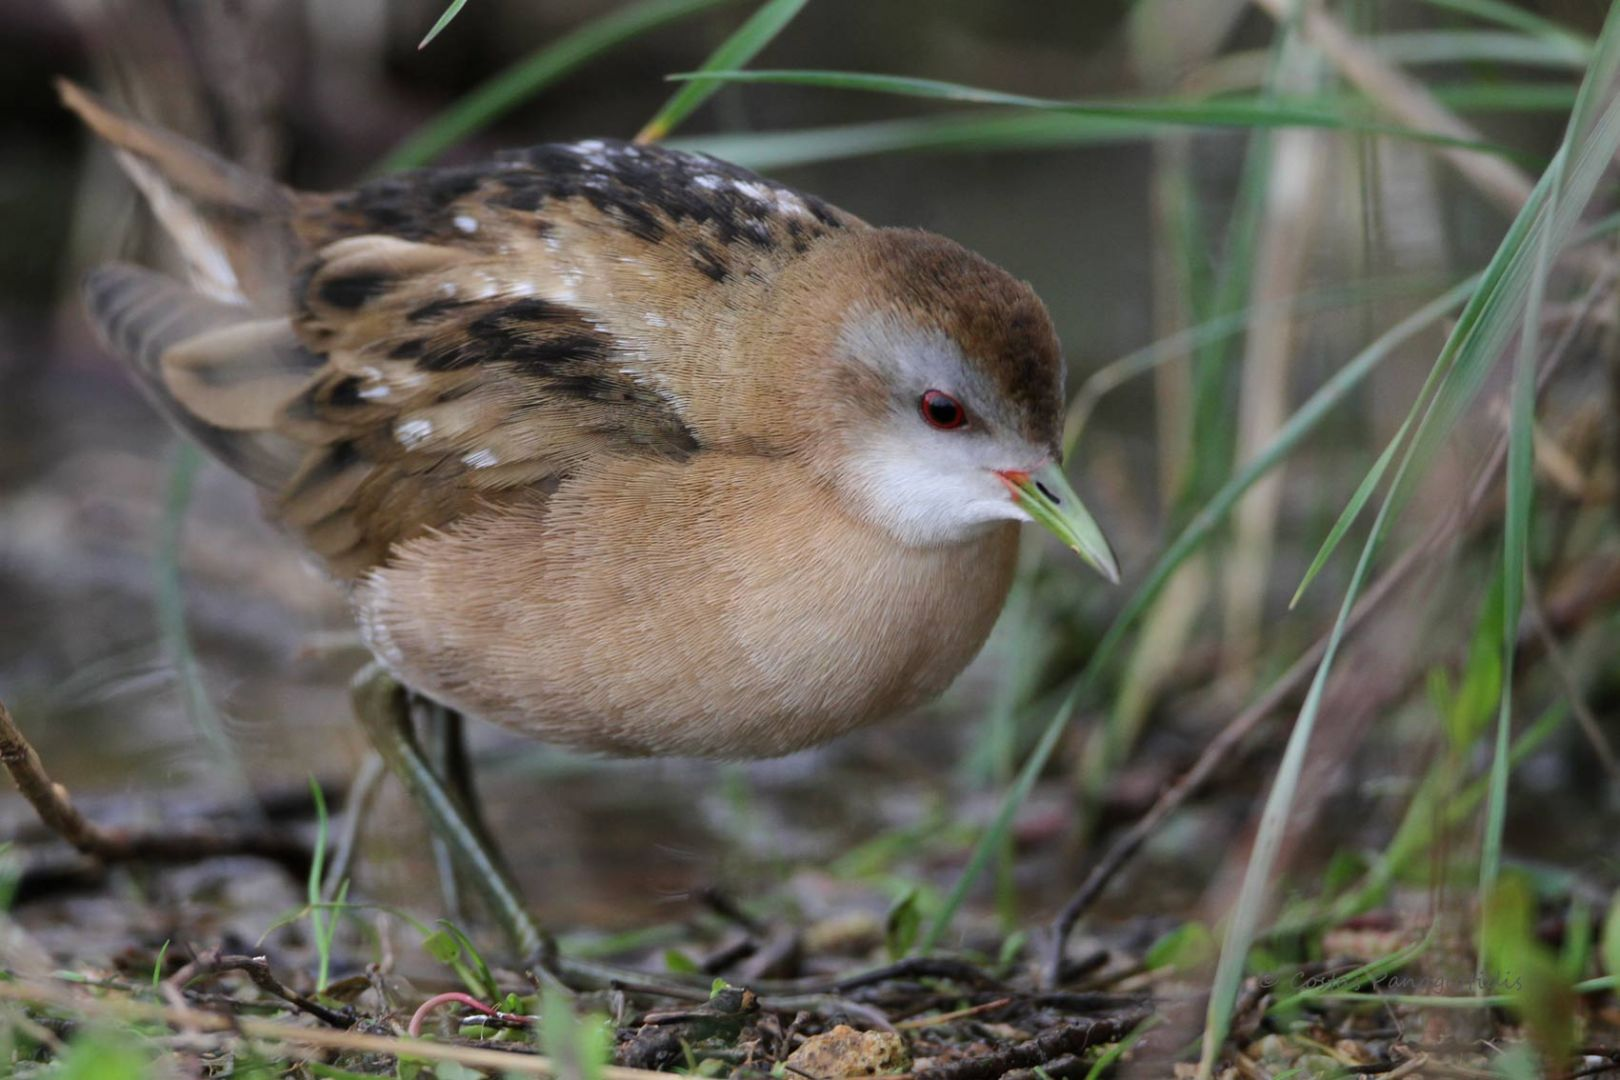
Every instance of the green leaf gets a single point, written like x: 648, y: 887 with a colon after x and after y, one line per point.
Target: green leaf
x: 442, y: 947
x: 103, y: 1055
x: 902, y: 924
x: 1343, y: 870
x: 738, y: 49
x: 1352, y: 510
x: 472, y: 968
x: 1517, y: 963
x: 170, y: 604
x: 1481, y: 688
x: 444, y: 20
x: 525, y: 79
x: 1012, y: 947
x: 1517, y: 1063
x: 1474, y: 46
x: 157, y: 965
x: 678, y: 962
x: 323, y: 923
x: 1518, y: 18
x: 1588, y: 148
x: 1193, y: 112
x: 1369, y: 973
x: 1577, y: 948
x: 1189, y: 947
x: 1473, y: 348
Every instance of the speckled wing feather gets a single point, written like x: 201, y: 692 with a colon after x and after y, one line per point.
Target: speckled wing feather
x: 486, y: 330
x: 455, y: 338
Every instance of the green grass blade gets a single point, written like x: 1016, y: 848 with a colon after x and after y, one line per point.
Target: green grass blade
x: 1357, y: 978
x: 1594, y: 129
x: 1138, y: 362
x: 1352, y: 510
x: 737, y: 50
x: 1482, y: 46
x: 320, y: 920
x: 444, y: 20
x: 526, y: 78
x: 1203, y: 524
x: 1540, y: 230
x: 1505, y: 97
x: 1027, y: 129
x: 1515, y: 17
x: 1251, y: 900
x: 1215, y: 112
x: 173, y: 632
x: 1479, y: 323
x: 978, y: 132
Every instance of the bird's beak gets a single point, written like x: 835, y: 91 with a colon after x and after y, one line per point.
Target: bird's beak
x: 1046, y: 496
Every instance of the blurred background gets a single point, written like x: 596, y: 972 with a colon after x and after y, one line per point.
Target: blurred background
x: 170, y: 654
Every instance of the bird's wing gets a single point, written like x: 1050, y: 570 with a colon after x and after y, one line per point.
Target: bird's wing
x: 446, y: 383
x: 435, y: 342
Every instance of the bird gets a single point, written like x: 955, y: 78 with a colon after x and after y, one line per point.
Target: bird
x: 621, y: 447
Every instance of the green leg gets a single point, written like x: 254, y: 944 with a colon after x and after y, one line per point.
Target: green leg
x: 440, y: 731
x: 381, y: 705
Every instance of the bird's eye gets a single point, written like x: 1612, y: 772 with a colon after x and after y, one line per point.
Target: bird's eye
x: 942, y: 411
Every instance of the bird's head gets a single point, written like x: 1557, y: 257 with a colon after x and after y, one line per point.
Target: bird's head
x: 939, y: 389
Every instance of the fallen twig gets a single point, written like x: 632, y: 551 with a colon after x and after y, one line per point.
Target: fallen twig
x: 515, y: 1059
x: 55, y: 808
x: 1049, y: 1045
x: 257, y: 968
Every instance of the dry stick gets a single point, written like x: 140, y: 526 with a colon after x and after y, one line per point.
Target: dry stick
x: 49, y: 800
x: 1239, y: 728
x: 55, y: 808
x: 516, y: 1060
x: 1408, y: 101
x: 257, y: 968
x: 1055, y: 1042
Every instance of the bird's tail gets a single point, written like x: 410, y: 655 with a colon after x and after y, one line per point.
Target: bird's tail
x: 232, y: 226
x: 217, y: 356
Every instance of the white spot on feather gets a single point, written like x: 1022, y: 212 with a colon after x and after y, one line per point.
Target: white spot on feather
x: 465, y: 223
x: 413, y: 432
x: 652, y: 318
x: 789, y: 203
x: 480, y: 459
x: 375, y: 386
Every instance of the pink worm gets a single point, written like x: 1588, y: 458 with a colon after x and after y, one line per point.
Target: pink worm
x: 459, y: 998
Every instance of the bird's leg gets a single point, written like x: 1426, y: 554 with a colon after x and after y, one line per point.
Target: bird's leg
x: 381, y: 706
x: 444, y: 743
x: 440, y: 729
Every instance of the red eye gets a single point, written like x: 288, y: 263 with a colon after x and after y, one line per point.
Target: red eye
x: 942, y: 411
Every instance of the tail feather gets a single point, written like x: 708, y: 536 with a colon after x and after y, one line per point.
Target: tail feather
x: 215, y: 370
x: 232, y: 226
x: 218, y: 357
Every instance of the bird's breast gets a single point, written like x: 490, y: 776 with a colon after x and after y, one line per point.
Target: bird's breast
x: 721, y: 607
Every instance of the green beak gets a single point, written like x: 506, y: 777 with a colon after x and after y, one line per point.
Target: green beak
x: 1046, y: 496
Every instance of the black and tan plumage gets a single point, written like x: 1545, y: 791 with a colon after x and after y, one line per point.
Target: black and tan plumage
x: 623, y: 447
